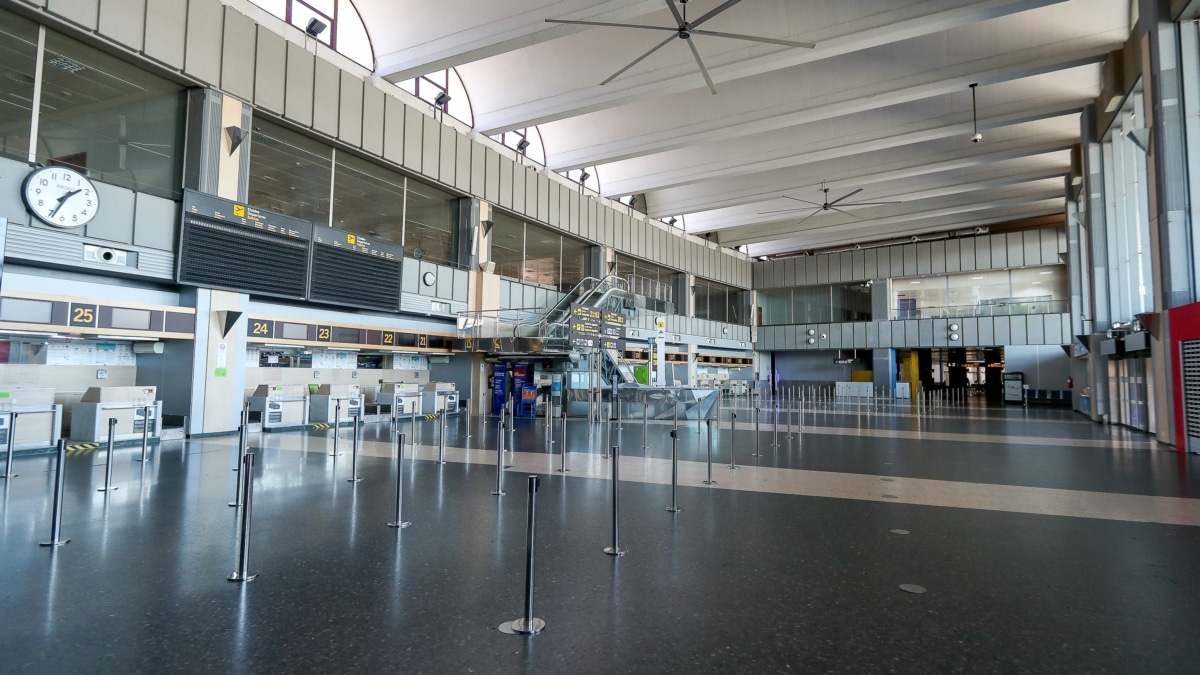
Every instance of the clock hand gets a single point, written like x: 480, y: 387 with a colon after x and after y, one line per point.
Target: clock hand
x: 63, y: 200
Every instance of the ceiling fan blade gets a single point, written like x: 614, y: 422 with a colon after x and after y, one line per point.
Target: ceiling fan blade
x: 808, y: 216
x: 797, y: 199
x: 638, y: 60
x: 803, y: 208
x: 871, y: 203
x: 703, y: 69
x: 613, y: 25
x: 675, y: 12
x: 831, y: 208
x: 752, y: 38
x: 843, y: 198
x: 724, y: 6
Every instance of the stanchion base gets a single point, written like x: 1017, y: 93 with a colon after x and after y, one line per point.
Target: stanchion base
x: 54, y: 543
x: 709, y: 482
x: 235, y: 577
x: 518, y: 627
x: 618, y: 552
x: 235, y: 505
x: 10, y: 475
x: 674, y: 509
x: 734, y: 467
x: 357, y: 479
x: 758, y: 454
x: 499, y: 493
x: 107, y: 489
x: 400, y: 526
x: 144, y: 460
x: 564, y: 471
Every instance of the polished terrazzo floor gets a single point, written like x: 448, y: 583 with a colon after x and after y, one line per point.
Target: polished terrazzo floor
x: 1046, y: 544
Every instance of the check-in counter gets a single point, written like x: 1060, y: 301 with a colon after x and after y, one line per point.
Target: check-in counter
x: 342, y: 400
x: 438, y: 396
x: 135, y: 409
x: 400, y: 398
x: 280, y: 405
x: 37, y: 420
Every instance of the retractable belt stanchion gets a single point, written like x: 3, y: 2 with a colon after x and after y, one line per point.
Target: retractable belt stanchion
x: 354, y: 478
x: 399, y: 523
x: 562, y: 461
x: 145, y: 432
x: 615, y: 549
x: 12, y: 446
x: 242, y: 573
x: 337, y: 427
x: 108, y: 466
x: 757, y: 433
x: 413, y: 441
x: 242, y: 443
x: 468, y: 417
x: 732, y: 437
x: 56, y: 518
x: 775, y: 421
x: 528, y: 624
x: 442, y: 437
x: 710, y: 481
x: 645, y: 424
x: 499, y: 491
x: 674, y: 507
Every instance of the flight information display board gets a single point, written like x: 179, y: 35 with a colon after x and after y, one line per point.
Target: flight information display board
x: 355, y: 271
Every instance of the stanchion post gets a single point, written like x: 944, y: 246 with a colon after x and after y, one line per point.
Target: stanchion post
x: 354, y: 478
x: 528, y: 624
x: 145, y: 432
x: 645, y: 424
x: 242, y: 573
x: 243, y: 434
x: 399, y: 523
x: 732, y: 437
x: 442, y: 437
x: 108, y: 461
x: 337, y: 426
x: 710, y: 481
x: 56, y: 518
x: 615, y: 549
x: 674, y: 507
x: 12, y: 445
x: 468, y: 417
x: 499, y: 491
x: 757, y: 433
x: 775, y: 422
x: 413, y: 440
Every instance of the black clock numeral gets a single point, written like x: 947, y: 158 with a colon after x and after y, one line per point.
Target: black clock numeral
x: 41, y: 203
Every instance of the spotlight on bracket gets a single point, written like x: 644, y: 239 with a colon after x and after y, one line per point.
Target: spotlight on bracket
x: 441, y: 99
x: 315, y: 27
x: 521, y: 144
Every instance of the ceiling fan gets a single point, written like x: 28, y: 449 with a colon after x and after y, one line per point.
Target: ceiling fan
x: 828, y: 205
x: 684, y: 30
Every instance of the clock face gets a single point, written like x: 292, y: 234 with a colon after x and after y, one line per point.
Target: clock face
x: 60, y: 197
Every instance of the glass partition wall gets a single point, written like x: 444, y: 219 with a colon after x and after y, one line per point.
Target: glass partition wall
x: 536, y: 255
x: 1029, y: 290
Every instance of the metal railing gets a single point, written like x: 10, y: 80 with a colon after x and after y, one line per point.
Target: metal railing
x: 543, y: 322
x: 998, y: 309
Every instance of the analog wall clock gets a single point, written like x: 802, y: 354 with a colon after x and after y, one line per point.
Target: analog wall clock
x: 60, y: 196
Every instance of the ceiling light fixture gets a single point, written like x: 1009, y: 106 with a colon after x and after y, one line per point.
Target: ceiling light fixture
x: 978, y: 137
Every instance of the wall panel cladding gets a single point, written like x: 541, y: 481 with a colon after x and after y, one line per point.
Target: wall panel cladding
x: 966, y: 257
x: 1033, y: 247
x: 448, y: 146
x: 166, y: 23
x: 414, y: 128
x: 124, y: 21
x: 82, y: 12
x: 270, y: 70
x: 553, y: 214
x: 298, y: 92
x: 937, y: 257
x: 478, y: 169
x: 506, y: 185
x: 463, y: 163
x: 431, y: 146
x: 372, y: 120
x: 954, y: 256
x: 1016, y: 249
x: 393, y: 130
x: 205, y: 19
x: 519, y: 175
x: 350, y: 111
x: 543, y: 198
x: 327, y: 83
x: 999, y: 250
x: 238, y: 55
x: 531, y: 193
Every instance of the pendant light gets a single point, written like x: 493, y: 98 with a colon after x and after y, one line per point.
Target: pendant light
x: 978, y: 137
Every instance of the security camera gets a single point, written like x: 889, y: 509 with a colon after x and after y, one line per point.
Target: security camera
x: 977, y: 138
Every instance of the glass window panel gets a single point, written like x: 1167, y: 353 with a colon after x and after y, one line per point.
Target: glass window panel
x: 368, y: 199
x: 431, y: 225
x: 776, y: 306
x: 574, y: 263
x: 919, y: 298
x: 289, y: 173
x: 1039, y: 290
x: 352, y: 39
x: 851, y: 302
x: 508, y: 245
x: 811, y: 304
x: 116, y: 121
x: 978, y: 293
x: 18, y: 58
x: 543, y: 248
